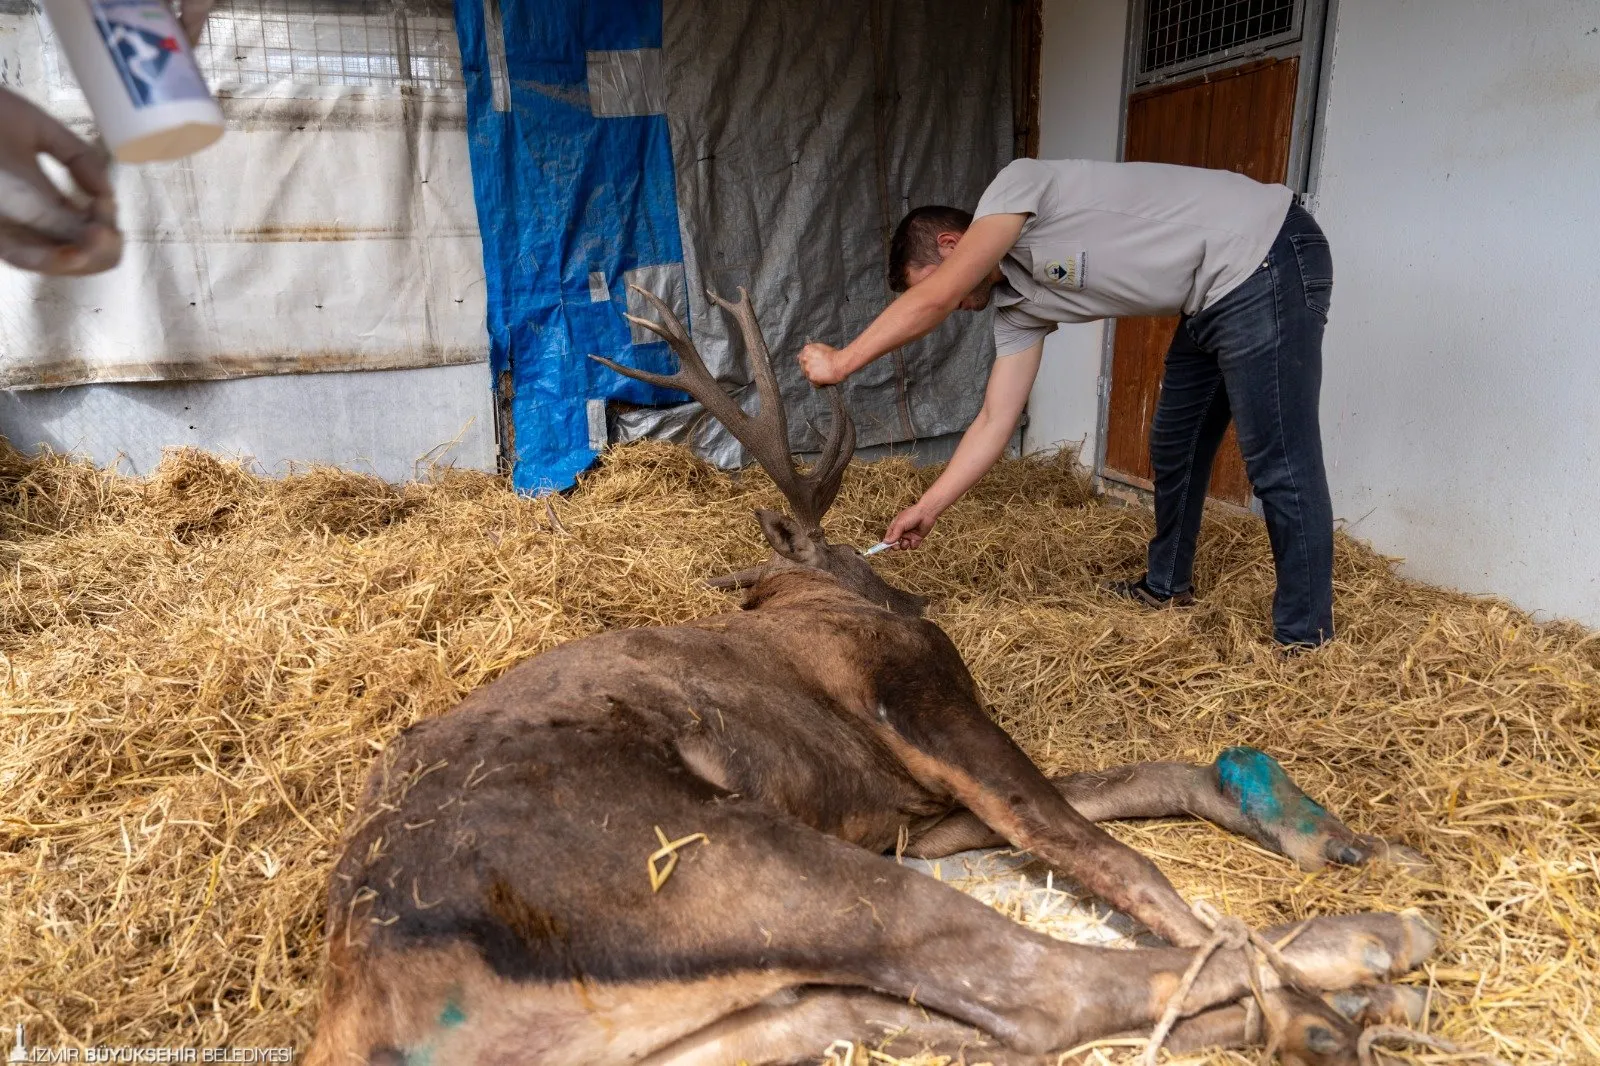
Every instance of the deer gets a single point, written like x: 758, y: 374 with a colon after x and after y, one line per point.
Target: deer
x: 677, y: 846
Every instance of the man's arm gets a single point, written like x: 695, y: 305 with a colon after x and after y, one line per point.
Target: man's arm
x: 921, y: 308
x: 981, y: 446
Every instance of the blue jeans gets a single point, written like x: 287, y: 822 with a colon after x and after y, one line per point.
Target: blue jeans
x: 1254, y: 357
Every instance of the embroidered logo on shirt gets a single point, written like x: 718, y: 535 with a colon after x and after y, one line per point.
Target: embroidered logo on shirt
x: 1066, y: 273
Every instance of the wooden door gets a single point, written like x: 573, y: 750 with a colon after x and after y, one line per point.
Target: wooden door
x: 1238, y: 119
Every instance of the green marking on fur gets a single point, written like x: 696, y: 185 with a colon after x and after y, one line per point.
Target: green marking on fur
x: 452, y: 1015
x: 1264, y: 792
x: 1249, y: 775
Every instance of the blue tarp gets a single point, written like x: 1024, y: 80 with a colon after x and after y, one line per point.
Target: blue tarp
x: 562, y: 195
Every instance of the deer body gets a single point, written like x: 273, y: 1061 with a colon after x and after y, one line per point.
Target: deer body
x: 500, y: 899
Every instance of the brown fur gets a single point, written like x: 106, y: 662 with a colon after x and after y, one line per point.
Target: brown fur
x: 498, y: 864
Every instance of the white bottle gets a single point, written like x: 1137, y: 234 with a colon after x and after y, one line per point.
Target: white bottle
x: 135, y: 66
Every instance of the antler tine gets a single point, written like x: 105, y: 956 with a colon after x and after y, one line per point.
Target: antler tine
x: 837, y: 451
x: 692, y: 376
x: 673, y: 327
x: 770, y: 441
x: 766, y: 435
x: 760, y: 359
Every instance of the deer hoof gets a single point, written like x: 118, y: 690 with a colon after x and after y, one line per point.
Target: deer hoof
x: 1395, y: 853
x: 1381, y: 1005
x: 1310, y: 1032
x: 1421, y: 939
x: 1347, y: 852
x: 1356, y: 950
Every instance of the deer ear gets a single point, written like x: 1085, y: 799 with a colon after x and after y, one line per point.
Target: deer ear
x: 788, y: 538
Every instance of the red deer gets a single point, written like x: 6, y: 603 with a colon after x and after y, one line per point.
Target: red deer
x: 667, y: 845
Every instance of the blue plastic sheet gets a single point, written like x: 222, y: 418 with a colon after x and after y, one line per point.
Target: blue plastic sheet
x: 561, y: 195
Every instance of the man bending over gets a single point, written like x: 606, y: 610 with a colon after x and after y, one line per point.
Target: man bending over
x: 1073, y: 241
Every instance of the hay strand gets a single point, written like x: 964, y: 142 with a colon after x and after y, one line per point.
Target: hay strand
x: 669, y: 851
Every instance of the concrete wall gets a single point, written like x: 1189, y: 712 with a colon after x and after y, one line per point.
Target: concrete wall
x: 1456, y: 176
x: 1460, y: 188
x: 1080, y: 106
x: 382, y: 421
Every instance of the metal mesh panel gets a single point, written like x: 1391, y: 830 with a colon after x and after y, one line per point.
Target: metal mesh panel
x: 381, y: 45
x: 1185, y: 33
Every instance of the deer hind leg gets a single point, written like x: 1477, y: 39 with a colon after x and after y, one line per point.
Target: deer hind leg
x: 1244, y: 791
x: 805, y: 1024
x: 1333, y: 1026
x: 770, y: 894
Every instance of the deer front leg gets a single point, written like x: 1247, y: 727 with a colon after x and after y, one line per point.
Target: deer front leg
x: 1244, y: 791
x: 956, y: 749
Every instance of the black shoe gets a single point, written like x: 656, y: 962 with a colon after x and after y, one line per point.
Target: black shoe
x: 1141, y: 593
x: 1288, y: 652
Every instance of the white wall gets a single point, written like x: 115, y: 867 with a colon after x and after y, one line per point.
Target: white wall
x: 1460, y: 188
x: 1080, y: 104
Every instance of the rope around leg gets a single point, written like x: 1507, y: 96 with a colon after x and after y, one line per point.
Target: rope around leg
x: 1234, y: 935
x: 1231, y: 933
x: 1366, y: 1053
x: 1271, y: 952
x: 1226, y: 932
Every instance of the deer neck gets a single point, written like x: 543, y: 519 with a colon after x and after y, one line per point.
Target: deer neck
x: 798, y: 587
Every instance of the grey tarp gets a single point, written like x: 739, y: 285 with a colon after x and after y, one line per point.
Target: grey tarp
x: 801, y: 133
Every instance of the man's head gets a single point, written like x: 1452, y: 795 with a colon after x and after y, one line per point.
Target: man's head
x: 924, y: 239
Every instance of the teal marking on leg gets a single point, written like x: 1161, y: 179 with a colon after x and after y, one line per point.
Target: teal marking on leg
x: 420, y: 1056
x: 1250, y: 777
x: 1264, y: 792
x: 452, y: 1015
x: 1286, y: 819
x: 1313, y: 815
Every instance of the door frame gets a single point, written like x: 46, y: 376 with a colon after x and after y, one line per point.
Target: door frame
x: 1318, y: 22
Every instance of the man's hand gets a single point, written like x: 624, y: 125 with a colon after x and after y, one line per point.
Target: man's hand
x: 823, y: 364
x: 911, y: 525
x: 40, y: 229
x: 192, y: 17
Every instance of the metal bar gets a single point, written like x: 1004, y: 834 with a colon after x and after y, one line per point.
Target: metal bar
x: 1318, y: 108
x: 381, y: 44
x: 1108, y: 343
x: 1187, y: 35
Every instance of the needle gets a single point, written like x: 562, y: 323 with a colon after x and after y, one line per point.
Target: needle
x: 881, y: 546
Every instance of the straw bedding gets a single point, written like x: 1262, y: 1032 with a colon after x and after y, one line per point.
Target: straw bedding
x: 199, y: 667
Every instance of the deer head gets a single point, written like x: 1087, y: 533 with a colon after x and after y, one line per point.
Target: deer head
x: 798, y: 541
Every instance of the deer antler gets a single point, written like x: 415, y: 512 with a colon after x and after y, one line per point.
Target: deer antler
x: 766, y: 433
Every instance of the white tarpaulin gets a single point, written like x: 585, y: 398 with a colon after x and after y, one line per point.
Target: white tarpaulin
x: 332, y: 228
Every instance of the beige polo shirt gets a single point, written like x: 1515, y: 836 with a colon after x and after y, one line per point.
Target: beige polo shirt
x: 1107, y: 240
